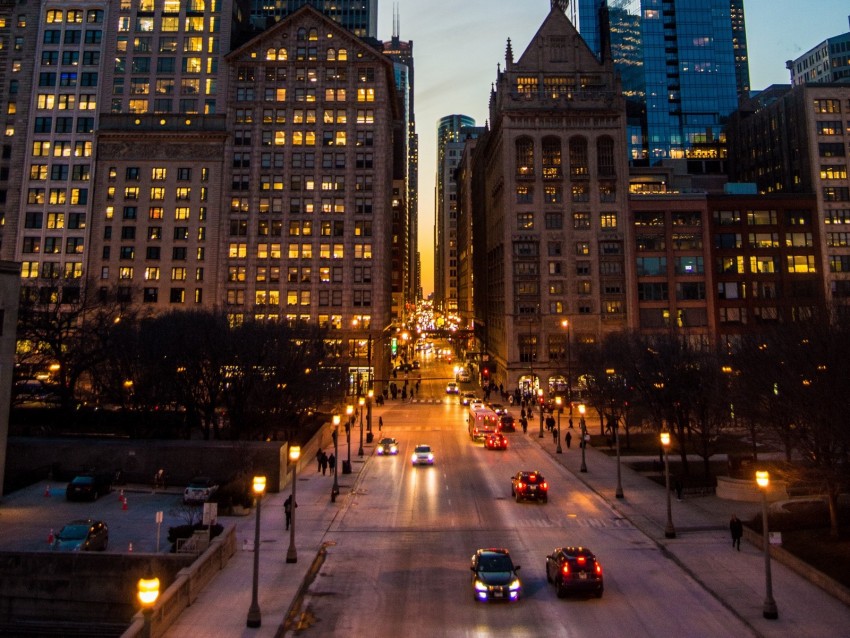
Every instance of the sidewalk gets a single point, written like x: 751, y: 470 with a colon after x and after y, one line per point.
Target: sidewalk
x: 703, y: 548
x: 221, y: 608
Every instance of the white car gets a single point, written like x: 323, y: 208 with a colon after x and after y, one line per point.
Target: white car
x: 422, y: 455
x: 199, y: 490
x: 463, y: 376
x: 452, y: 388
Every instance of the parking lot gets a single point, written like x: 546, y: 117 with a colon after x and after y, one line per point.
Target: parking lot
x: 28, y: 516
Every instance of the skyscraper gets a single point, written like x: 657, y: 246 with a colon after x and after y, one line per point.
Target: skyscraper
x: 358, y: 16
x: 683, y: 65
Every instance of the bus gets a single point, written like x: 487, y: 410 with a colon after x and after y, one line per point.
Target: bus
x: 482, y: 421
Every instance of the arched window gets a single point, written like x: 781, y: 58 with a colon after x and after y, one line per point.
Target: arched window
x: 271, y: 54
x: 314, y: 35
x: 578, y: 157
x: 331, y: 56
x: 301, y: 35
x: 551, y: 158
x: 342, y: 56
x: 525, y: 157
x: 605, y: 157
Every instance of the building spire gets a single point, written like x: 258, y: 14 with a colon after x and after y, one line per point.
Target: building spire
x: 563, y: 5
x: 509, y: 55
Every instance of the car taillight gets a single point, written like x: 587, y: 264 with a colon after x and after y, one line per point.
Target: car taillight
x: 598, y: 569
x: 565, y: 569
x: 581, y: 560
x: 520, y: 485
x: 544, y: 486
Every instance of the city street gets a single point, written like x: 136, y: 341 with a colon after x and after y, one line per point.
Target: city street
x: 400, y: 550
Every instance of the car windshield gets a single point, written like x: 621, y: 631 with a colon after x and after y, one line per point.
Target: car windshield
x: 73, y: 532
x: 495, y: 563
x: 199, y: 483
x: 422, y: 449
x: 83, y: 480
x: 387, y: 441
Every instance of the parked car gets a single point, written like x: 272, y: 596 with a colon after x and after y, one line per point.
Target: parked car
x: 422, y: 455
x: 452, y: 388
x: 574, y: 569
x: 506, y: 423
x: 82, y: 535
x: 496, y: 441
x: 89, y: 487
x: 528, y: 485
x: 387, y: 446
x: 463, y: 376
x: 494, y: 576
x: 199, y: 490
x: 498, y: 408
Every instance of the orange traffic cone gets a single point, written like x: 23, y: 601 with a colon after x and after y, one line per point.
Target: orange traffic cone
x: 50, y: 537
x: 124, y: 503
x: 130, y: 548
x: 121, y: 494
x: 47, y: 490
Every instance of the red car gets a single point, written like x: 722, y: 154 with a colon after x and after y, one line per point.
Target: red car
x: 529, y: 485
x: 496, y: 441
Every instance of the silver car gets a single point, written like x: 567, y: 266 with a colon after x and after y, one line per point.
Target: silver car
x: 422, y: 455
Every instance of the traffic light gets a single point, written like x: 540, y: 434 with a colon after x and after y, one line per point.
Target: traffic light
x: 394, y: 346
x: 486, y: 374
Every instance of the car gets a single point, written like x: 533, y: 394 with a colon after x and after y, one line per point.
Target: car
x: 452, y: 388
x: 88, y: 487
x: 506, y: 423
x: 467, y: 397
x: 200, y: 490
x: 494, y: 576
x: 498, y: 408
x: 463, y: 376
x: 422, y: 455
x: 416, y: 364
x: 574, y: 570
x: 387, y: 446
x: 496, y: 441
x: 82, y: 535
x: 529, y: 485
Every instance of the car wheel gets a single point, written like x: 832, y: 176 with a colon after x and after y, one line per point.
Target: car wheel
x: 561, y: 591
x: 545, y: 499
x: 548, y: 576
x: 599, y: 594
x: 518, y: 497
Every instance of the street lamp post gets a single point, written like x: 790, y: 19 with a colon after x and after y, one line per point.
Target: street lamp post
x: 294, y: 455
x: 361, y: 402
x: 349, y: 413
x: 369, y: 396
x: 335, y: 488
x: 558, y: 403
x: 540, y: 403
x: 148, y: 592
x: 254, y: 617
x: 769, y: 610
x: 618, y: 493
x: 583, y: 428
x: 669, y: 530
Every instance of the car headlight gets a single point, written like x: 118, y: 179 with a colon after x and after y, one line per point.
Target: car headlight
x: 430, y: 457
x: 393, y: 449
x: 514, y: 584
x: 413, y: 458
x: 479, y: 586
x: 380, y: 450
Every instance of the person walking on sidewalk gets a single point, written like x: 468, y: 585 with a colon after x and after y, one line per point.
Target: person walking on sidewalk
x: 319, y: 460
x: 287, y: 509
x: 736, y: 528
x: 569, y: 439
x: 380, y: 423
x: 331, y: 462
x: 323, y: 463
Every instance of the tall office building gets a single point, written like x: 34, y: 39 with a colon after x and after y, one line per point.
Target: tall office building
x: 450, y: 143
x: 358, y: 16
x: 683, y: 65
x: 549, y: 199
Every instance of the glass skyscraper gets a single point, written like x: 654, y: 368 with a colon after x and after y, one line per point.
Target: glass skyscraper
x: 358, y: 16
x: 683, y: 64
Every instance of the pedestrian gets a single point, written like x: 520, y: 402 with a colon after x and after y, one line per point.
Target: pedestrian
x: 324, y: 463
x: 524, y: 423
x: 679, y: 489
x: 331, y: 462
x: 380, y: 423
x: 569, y: 439
x: 319, y: 460
x: 287, y: 509
x: 554, y: 435
x: 736, y: 528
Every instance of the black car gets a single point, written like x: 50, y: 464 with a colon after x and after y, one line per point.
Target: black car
x: 507, y: 423
x: 387, y: 446
x: 529, y: 485
x: 574, y: 570
x: 494, y: 575
x: 82, y: 536
x: 88, y: 487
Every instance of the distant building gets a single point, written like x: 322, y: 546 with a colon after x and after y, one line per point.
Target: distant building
x: 795, y: 141
x: 683, y: 65
x: 450, y: 143
x: 549, y: 185
x: 358, y: 16
x: 829, y: 61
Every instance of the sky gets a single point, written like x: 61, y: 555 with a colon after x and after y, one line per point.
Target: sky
x: 457, y: 45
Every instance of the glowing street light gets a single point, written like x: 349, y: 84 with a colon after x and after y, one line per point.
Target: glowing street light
x: 254, y: 616
x: 583, y: 427
x: 294, y: 455
x: 148, y: 592
x: 669, y: 530
x: 769, y: 610
x: 558, y: 402
x: 335, y: 434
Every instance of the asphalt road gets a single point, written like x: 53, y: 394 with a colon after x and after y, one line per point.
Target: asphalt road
x: 399, y: 559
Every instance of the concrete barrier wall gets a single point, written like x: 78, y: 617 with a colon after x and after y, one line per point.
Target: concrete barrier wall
x: 747, y: 491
